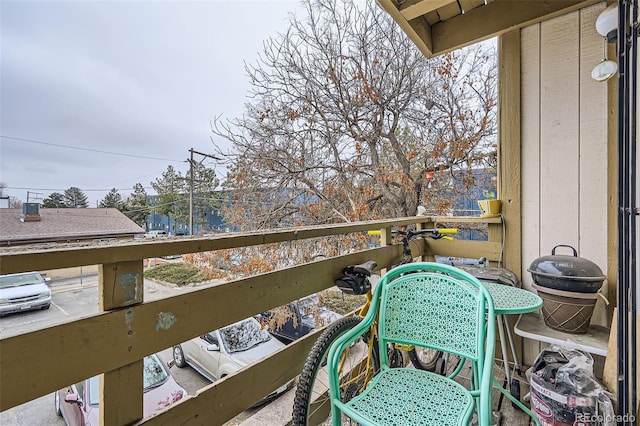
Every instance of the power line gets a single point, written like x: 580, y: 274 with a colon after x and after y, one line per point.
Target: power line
x: 91, y: 150
x: 83, y: 190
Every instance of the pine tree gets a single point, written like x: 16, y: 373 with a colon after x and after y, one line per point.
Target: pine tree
x: 74, y: 197
x: 204, y: 186
x: 173, y: 195
x: 55, y: 200
x: 113, y: 199
x: 137, y: 206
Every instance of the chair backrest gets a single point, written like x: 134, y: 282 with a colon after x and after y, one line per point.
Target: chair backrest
x: 437, y: 306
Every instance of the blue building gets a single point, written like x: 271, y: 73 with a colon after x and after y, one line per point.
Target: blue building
x: 206, y: 220
x: 467, y: 203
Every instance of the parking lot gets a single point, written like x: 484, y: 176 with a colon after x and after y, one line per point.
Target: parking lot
x: 75, y: 297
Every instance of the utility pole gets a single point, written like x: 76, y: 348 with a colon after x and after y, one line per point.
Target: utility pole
x: 34, y: 195
x: 192, y: 180
x: 191, y: 193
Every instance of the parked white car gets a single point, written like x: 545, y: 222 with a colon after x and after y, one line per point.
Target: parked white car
x: 24, y: 291
x: 228, y: 350
x: 155, y: 234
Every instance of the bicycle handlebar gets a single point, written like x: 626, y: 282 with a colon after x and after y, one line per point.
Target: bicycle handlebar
x: 436, y: 233
x: 447, y: 230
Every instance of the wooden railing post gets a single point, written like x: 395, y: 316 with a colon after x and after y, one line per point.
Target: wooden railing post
x: 121, y: 284
x: 494, y: 234
x: 426, y: 257
x: 386, y: 239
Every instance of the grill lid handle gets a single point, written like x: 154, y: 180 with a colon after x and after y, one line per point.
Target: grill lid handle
x: 553, y: 250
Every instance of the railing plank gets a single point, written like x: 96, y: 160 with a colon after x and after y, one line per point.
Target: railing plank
x: 224, y: 399
x: 24, y: 258
x: 110, y: 340
x: 461, y: 248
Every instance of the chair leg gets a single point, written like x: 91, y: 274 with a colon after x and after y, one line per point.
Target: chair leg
x: 336, y: 416
x: 516, y: 402
x: 517, y: 366
x: 503, y: 347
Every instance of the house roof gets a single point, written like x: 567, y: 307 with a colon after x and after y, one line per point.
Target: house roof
x: 65, y: 225
x: 440, y: 26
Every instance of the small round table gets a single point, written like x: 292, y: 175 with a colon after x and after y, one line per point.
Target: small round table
x: 508, y: 300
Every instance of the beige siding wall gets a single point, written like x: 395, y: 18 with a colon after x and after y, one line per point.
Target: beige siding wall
x: 564, y: 142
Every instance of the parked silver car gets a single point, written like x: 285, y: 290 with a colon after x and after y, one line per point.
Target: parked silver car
x: 24, y: 291
x: 228, y: 350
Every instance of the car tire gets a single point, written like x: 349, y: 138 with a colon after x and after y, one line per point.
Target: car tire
x: 178, y: 356
x: 57, y: 404
x: 45, y: 307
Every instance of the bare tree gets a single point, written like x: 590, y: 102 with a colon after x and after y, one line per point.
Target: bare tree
x: 14, y: 203
x: 349, y: 121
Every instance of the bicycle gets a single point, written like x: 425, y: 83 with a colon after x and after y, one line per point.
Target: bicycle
x: 361, y: 361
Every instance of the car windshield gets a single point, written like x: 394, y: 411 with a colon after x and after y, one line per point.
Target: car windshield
x: 243, y: 335
x: 154, y: 373
x: 17, y: 280
x: 309, y: 306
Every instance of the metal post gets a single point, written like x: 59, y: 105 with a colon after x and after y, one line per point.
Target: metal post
x: 627, y: 208
x: 191, y: 193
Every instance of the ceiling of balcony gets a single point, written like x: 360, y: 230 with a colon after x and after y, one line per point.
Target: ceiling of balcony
x: 440, y: 26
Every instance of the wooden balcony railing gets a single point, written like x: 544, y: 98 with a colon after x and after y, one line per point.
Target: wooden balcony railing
x: 114, y: 342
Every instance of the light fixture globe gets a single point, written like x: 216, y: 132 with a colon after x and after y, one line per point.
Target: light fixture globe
x: 604, y: 70
x: 607, y: 23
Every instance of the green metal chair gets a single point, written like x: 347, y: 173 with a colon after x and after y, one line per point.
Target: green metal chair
x: 432, y: 305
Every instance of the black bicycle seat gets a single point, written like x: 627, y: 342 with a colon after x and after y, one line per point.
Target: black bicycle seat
x: 362, y: 269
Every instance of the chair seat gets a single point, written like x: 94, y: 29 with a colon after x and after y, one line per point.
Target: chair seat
x: 406, y: 396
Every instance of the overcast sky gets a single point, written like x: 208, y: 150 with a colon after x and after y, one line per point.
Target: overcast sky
x: 140, y: 78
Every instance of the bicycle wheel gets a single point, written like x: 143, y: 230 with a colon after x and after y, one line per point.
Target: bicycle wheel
x: 447, y: 364
x: 311, y: 404
x: 424, y: 358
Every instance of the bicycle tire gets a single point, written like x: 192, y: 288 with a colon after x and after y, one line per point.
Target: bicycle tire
x: 395, y: 358
x: 447, y: 364
x: 310, y: 396
x: 424, y: 358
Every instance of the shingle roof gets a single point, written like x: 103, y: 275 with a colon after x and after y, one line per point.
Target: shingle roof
x: 65, y: 225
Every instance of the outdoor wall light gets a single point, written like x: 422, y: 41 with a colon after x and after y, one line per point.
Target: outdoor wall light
x: 606, y: 68
x: 607, y: 27
x: 607, y: 23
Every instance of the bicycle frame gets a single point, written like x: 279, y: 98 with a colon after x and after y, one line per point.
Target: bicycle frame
x: 368, y: 372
